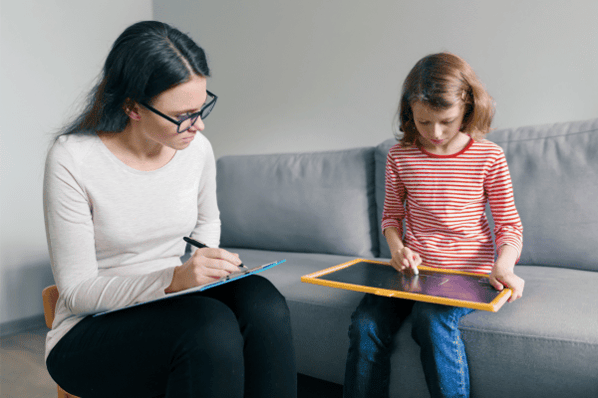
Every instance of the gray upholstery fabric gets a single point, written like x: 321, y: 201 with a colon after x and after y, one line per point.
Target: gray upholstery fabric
x: 320, y: 316
x: 380, y: 156
x: 544, y: 345
x: 555, y: 180
x: 319, y: 202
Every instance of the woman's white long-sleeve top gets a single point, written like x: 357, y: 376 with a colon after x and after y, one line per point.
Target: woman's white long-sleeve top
x: 115, y: 233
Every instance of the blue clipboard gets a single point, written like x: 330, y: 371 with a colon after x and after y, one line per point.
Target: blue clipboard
x: 242, y: 273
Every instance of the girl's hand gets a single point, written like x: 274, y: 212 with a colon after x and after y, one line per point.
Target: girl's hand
x: 503, y: 275
x: 499, y: 279
x: 405, y: 258
x: 204, y: 266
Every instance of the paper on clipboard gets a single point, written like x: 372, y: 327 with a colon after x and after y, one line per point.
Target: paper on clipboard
x: 226, y: 279
x: 433, y: 285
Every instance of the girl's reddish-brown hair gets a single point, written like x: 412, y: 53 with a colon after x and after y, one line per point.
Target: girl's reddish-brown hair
x: 441, y: 81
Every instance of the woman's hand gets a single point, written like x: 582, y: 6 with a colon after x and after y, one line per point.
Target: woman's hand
x: 502, y: 274
x: 205, y: 266
x: 405, y: 258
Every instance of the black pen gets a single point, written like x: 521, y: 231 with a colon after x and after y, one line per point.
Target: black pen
x: 200, y: 245
x: 193, y: 242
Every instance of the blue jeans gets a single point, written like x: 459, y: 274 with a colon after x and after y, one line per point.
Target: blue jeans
x: 435, y: 328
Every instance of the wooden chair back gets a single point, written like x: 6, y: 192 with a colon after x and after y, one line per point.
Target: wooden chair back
x: 50, y: 297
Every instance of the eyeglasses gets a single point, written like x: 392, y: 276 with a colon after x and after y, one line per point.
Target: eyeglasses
x: 185, y: 122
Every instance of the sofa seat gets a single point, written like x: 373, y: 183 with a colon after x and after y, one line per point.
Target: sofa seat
x: 510, y: 352
x: 320, y: 315
x: 543, y: 345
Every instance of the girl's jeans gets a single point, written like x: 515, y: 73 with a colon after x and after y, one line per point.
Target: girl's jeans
x: 435, y: 328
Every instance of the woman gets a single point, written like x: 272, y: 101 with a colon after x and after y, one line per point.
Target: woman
x: 123, y: 185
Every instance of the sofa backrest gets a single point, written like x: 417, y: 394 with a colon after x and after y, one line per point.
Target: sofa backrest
x: 320, y: 202
x: 380, y: 167
x: 554, y: 169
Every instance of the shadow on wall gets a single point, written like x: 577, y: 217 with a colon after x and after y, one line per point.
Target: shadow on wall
x: 22, y: 287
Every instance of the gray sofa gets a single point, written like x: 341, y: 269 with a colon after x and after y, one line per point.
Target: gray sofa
x: 320, y: 209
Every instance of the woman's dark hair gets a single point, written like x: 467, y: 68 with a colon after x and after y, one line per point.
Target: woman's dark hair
x: 440, y: 81
x: 147, y: 58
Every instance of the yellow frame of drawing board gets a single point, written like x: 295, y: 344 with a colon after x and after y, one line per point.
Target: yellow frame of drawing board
x: 493, y: 306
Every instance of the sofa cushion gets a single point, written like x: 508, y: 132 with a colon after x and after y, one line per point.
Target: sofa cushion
x: 320, y: 316
x: 380, y: 158
x: 543, y: 345
x: 319, y: 202
x: 554, y: 169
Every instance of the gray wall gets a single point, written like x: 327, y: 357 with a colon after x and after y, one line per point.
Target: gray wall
x: 50, y: 54
x: 317, y: 75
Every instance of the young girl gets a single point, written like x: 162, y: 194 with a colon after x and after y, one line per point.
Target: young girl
x: 438, y: 179
x: 123, y: 185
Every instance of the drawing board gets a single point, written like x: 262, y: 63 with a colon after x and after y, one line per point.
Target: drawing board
x: 434, y: 285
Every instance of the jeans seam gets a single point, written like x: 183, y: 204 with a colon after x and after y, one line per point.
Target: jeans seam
x: 459, y: 352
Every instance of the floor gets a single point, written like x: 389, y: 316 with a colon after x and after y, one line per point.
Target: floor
x: 22, y: 369
x: 23, y: 373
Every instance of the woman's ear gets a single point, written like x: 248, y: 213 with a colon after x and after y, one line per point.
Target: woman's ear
x: 134, y: 115
x: 131, y: 108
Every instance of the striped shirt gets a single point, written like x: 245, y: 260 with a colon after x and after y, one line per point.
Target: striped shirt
x: 443, y: 199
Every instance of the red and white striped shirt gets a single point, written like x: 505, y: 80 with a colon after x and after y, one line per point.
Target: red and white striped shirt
x: 443, y: 200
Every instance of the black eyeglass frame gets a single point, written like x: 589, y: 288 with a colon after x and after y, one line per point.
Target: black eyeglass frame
x: 207, y: 106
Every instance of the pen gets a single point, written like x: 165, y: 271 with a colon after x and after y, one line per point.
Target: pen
x: 193, y: 242
x: 200, y: 245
